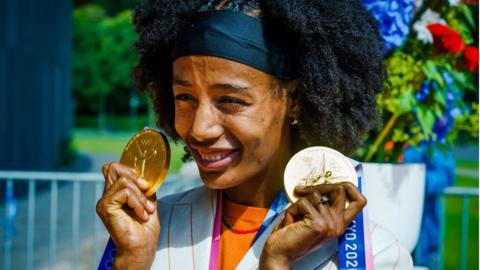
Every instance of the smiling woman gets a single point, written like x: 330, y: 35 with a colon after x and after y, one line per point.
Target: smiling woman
x: 245, y: 84
x: 223, y: 111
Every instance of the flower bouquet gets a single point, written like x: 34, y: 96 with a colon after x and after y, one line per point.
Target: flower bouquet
x: 431, y: 98
x: 430, y: 103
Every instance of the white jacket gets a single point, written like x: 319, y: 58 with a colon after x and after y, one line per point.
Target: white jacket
x: 186, y: 235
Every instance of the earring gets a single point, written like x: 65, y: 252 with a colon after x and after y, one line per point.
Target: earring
x: 294, y: 121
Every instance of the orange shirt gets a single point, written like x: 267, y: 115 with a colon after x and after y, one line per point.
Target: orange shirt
x: 233, y: 246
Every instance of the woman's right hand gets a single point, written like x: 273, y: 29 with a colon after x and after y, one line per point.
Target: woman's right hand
x: 129, y: 216
x: 311, y: 221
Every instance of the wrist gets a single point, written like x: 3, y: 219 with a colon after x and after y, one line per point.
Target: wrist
x: 272, y: 260
x: 277, y: 263
x: 134, y: 260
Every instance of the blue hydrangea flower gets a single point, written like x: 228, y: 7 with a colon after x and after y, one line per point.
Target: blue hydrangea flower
x: 447, y: 78
x: 454, y: 112
x: 394, y: 17
x: 453, y: 93
x: 450, y: 99
x: 424, y: 91
x: 445, y: 123
x: 442, y: 126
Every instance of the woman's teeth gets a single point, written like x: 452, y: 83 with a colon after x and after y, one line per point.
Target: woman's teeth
x: 213, y: 157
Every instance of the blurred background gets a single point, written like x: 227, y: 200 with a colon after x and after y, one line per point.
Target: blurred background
x: 68, y: 105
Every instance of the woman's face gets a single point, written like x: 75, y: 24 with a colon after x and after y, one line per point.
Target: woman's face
x: 233, y: 118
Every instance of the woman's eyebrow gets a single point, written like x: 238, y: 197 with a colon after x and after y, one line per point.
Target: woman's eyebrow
x: 178, y: 81
x: 225, y: 86
x: 230, y: 86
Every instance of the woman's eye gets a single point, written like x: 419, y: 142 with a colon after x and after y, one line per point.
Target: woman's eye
x: 183, y: 97
x: 231, y: 101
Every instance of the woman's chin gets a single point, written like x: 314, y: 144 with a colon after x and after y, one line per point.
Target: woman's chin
x: 220, y: 179
x: 214, y: 179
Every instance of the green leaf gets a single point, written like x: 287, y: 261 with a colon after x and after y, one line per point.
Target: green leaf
x: 439, y: 96
x: 437, y: 110
x: 406, y: 101
x: 428, y: 70
x: 468, y: 16
x: 426, y: 118
x: 459, y: 77
x: 432, y: 73
x: 465, y: 80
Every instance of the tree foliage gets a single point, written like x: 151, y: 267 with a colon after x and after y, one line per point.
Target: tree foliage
x: 113, y: 7
x: 103, y: 58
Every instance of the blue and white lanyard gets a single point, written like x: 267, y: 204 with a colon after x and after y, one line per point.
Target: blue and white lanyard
x: 351, y: 245
x: 278, y: 205
x: 106, y: 263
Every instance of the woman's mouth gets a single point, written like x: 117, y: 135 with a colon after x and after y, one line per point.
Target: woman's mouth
x: 215, y: 160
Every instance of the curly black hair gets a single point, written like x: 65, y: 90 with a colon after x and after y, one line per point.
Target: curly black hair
x: 338, y: 59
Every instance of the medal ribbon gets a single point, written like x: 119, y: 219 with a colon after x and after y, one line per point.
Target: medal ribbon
x: 279, y: 204
x: 217, y: 229
x: 106, y: 263
x: 351, y: 245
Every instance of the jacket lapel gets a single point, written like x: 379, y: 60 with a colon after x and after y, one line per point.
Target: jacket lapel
x: 187, y: 223
x: 202, y: 223
x: 181, y: 247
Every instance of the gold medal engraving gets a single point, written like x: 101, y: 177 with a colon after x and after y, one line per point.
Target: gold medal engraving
x: 148, y: 153
x: 314, y: 166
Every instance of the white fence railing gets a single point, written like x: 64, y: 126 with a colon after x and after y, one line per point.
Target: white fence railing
x: 49, y: 219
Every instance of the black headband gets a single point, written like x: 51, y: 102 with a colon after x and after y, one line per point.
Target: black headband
x: 240, y: 38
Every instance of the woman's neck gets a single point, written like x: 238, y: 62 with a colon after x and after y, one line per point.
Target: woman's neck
x: 260, y: 198
x: 259, y: 191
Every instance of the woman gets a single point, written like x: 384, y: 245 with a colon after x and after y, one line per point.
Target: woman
x: 245, y: 84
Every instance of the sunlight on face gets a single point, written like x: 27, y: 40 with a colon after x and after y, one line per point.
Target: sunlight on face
x: 232, y: 117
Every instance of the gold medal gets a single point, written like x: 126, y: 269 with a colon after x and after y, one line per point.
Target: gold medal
x: 148, y: 153
x: 317, y: 165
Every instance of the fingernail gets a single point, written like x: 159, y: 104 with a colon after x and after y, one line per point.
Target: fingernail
x: 142, y: 181
x: 300, y: 188
x: 150, y: 205
x: 145, y: 214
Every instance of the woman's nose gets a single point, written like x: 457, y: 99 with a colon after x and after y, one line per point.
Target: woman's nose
x: 205, y: 124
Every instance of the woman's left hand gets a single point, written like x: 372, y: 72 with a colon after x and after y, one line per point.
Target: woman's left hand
x: 310, y: 222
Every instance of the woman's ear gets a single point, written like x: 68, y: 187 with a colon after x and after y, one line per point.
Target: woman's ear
x: 292, y: 93
x: 290, y: 88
